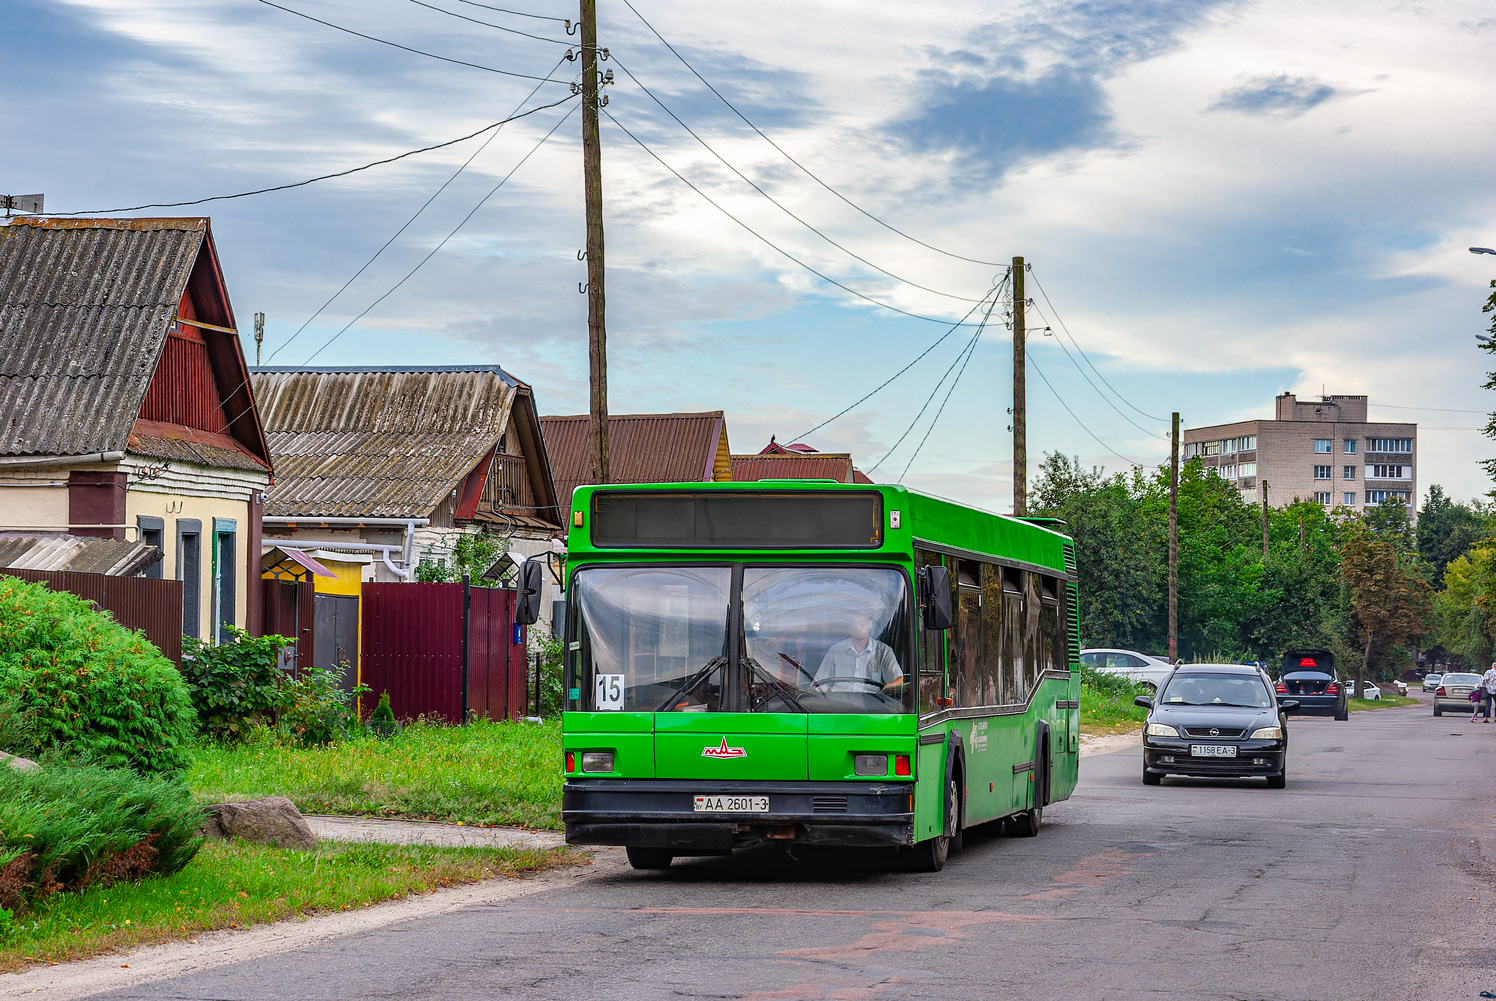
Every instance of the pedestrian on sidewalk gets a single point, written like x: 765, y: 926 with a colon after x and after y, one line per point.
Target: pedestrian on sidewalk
x: 1488, y: 687
x: 1477, y: 696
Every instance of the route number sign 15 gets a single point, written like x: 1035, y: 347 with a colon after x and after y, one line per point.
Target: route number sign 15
x: 609, y: 692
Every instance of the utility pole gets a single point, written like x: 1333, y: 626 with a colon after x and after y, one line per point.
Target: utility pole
x: 1020, y: 418
x: 259, y: 336
x: 592, y: 183
x: 1174, y: 541
x: 1264, y: 519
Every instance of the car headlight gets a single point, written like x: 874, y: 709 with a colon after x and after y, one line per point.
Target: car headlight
x: 1268, y: 733
x: 1161, y: 730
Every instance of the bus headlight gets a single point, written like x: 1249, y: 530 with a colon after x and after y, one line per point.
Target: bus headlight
x: 870, y: 764
x: 597, y: 761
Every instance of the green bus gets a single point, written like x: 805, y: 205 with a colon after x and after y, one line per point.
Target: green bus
x: 814, y: 663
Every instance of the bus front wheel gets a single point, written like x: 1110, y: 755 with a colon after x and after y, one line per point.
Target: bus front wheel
x: 930, y: 855
x: 649, y: 858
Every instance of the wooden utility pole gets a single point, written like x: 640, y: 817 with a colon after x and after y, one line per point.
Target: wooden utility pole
x: 1264, y: 519
x: 1174, y: 541
x: 592, y: 183
x: 1020, y: 418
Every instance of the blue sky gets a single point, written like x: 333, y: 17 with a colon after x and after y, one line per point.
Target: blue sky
x: 1223, y: 201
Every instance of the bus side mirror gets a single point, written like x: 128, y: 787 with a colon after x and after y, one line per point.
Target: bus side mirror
x: 936, y: 583
x: 531, y: 579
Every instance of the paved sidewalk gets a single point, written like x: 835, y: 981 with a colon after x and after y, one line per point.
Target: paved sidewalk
x: 422, y: 832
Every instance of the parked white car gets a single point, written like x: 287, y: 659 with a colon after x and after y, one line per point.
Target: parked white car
x: 1371, y: 692
x: 1138, y: 667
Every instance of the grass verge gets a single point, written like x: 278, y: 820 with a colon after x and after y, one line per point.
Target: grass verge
x: 483, y: 773
x: 1385, y: 702
x: 239, y: 885
x: 1106, y: 704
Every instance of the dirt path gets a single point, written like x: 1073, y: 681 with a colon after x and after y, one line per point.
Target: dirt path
x: 1108, y: 742
x: 422, y: 832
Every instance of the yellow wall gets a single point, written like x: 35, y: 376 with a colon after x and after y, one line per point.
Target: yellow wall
x: 171, y: 508
x: 34, y: 507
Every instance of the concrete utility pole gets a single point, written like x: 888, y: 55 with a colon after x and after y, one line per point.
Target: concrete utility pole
x: 1020, y: 418
x: 1264, y: 519
x: 1174, y: 541
x: 592, y: 183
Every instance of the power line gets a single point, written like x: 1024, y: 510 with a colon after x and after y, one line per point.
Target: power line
x: 888, y: 226
x: 1120, y: 412
x: 486, y: 24
x: 407, y: 48
x: 445, y: 239
x: 519, y: 13
x: 323, y: 177
x: 1441, y: 410
x: 424, y: 206
x: 765, y: 240
x: 754, y: 185
x: 1077, y: 420
x: 971, y: 350
x: 1082, y: 351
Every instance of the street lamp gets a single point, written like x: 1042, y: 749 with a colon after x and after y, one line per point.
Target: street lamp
x: 1483, y: 250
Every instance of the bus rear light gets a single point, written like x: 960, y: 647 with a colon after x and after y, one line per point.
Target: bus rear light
x: 1282, y: 688
x: 901, y: 764
x: 597, y: 761
x: 870, y: 764
x: 571, y: 761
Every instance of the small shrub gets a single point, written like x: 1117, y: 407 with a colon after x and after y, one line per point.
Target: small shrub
x: 236, y: 684
x: 315, y: 709
x: 549, y: 649
x: 382, y: 719
x: 68, y: 828
x: 75, y: 680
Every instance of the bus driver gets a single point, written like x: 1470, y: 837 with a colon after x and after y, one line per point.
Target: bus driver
x: 860, y: 658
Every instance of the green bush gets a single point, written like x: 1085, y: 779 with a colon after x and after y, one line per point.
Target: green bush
x: 68, y: 828
x: 236, y: 684
x: 315, y: 709
x: 75, y: 680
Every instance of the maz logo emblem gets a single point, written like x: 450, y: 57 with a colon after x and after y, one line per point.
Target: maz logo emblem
x: 723, y: 751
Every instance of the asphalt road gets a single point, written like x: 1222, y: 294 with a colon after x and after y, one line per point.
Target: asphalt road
x: 1354, y: 882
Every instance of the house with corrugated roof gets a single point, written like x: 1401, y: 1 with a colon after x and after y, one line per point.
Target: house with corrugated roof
x: 642, y: 448
x: 126, y: 412
x: 797, y: 461
x: 378, y: 468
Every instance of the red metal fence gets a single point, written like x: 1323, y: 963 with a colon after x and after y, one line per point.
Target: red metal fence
x: 150, y: 605
x: 443, y: 650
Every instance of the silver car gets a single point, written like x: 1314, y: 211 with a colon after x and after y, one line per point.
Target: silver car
x: 1453, y: 693
x: 1431, y: 680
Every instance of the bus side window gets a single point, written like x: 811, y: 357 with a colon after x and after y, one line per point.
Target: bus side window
x: 1052, y: 635
x: 1033, y: 661
x: 966, y: 658
x: 1015, y: 681
x: 933, y: 696
x: 992, y: 635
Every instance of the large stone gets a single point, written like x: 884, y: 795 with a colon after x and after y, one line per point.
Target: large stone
x: 20, y: 764
x: 273, y: 820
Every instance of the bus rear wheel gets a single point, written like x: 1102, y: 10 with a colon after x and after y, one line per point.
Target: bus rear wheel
x: 649, y: 858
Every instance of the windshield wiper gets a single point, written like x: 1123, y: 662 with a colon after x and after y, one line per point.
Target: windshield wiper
x: 775, y: 685
x: 691, y: 683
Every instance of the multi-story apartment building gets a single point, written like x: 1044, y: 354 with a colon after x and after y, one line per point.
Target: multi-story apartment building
x: 1323, y: 450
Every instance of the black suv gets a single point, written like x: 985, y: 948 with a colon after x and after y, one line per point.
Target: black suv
x: 1309, y: 678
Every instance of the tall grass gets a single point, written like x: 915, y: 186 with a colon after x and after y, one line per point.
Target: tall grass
x: 1106, y: 704
x: 482, y: 773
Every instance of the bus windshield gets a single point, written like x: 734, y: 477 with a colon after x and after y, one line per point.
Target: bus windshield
x: 812, y: 639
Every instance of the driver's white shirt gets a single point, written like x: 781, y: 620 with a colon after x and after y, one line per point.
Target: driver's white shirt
x: 875, y: 663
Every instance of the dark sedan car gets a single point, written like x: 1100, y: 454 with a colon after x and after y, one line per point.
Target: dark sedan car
x: 1216, y: 720
x: 1309, y: 678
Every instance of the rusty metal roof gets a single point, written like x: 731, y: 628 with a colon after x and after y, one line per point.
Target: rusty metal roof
x: 377, y: 442
x: 813, y: 466
x: 81, y: 554
x: 642, y: 448
x: 85, y: 307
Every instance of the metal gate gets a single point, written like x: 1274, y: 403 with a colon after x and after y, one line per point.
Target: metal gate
x: 335, y: 636
x: 445, y: 651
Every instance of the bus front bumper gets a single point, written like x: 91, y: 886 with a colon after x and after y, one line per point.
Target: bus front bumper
x: 661, y: 813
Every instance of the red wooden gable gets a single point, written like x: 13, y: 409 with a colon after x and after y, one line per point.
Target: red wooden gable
x: 183, y: 391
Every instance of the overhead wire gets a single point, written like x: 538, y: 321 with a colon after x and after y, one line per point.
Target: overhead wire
x: 807, y: 171
x: 517, y: 13
x: 781, y: 206
x: 1110, y: 450
x: 414, y: 216
x: 323, y: 177
x: 971, y: 350
x: 407, y: 48
x: 488, y: 24
x: 1040, y: 286
x: 1120, y: 413
x: 709, y: 200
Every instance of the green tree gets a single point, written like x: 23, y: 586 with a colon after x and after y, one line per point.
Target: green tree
x: 1447, y: 528
x: 472, y: 554
x: 1463, y: 622
x: 1387, y: 598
